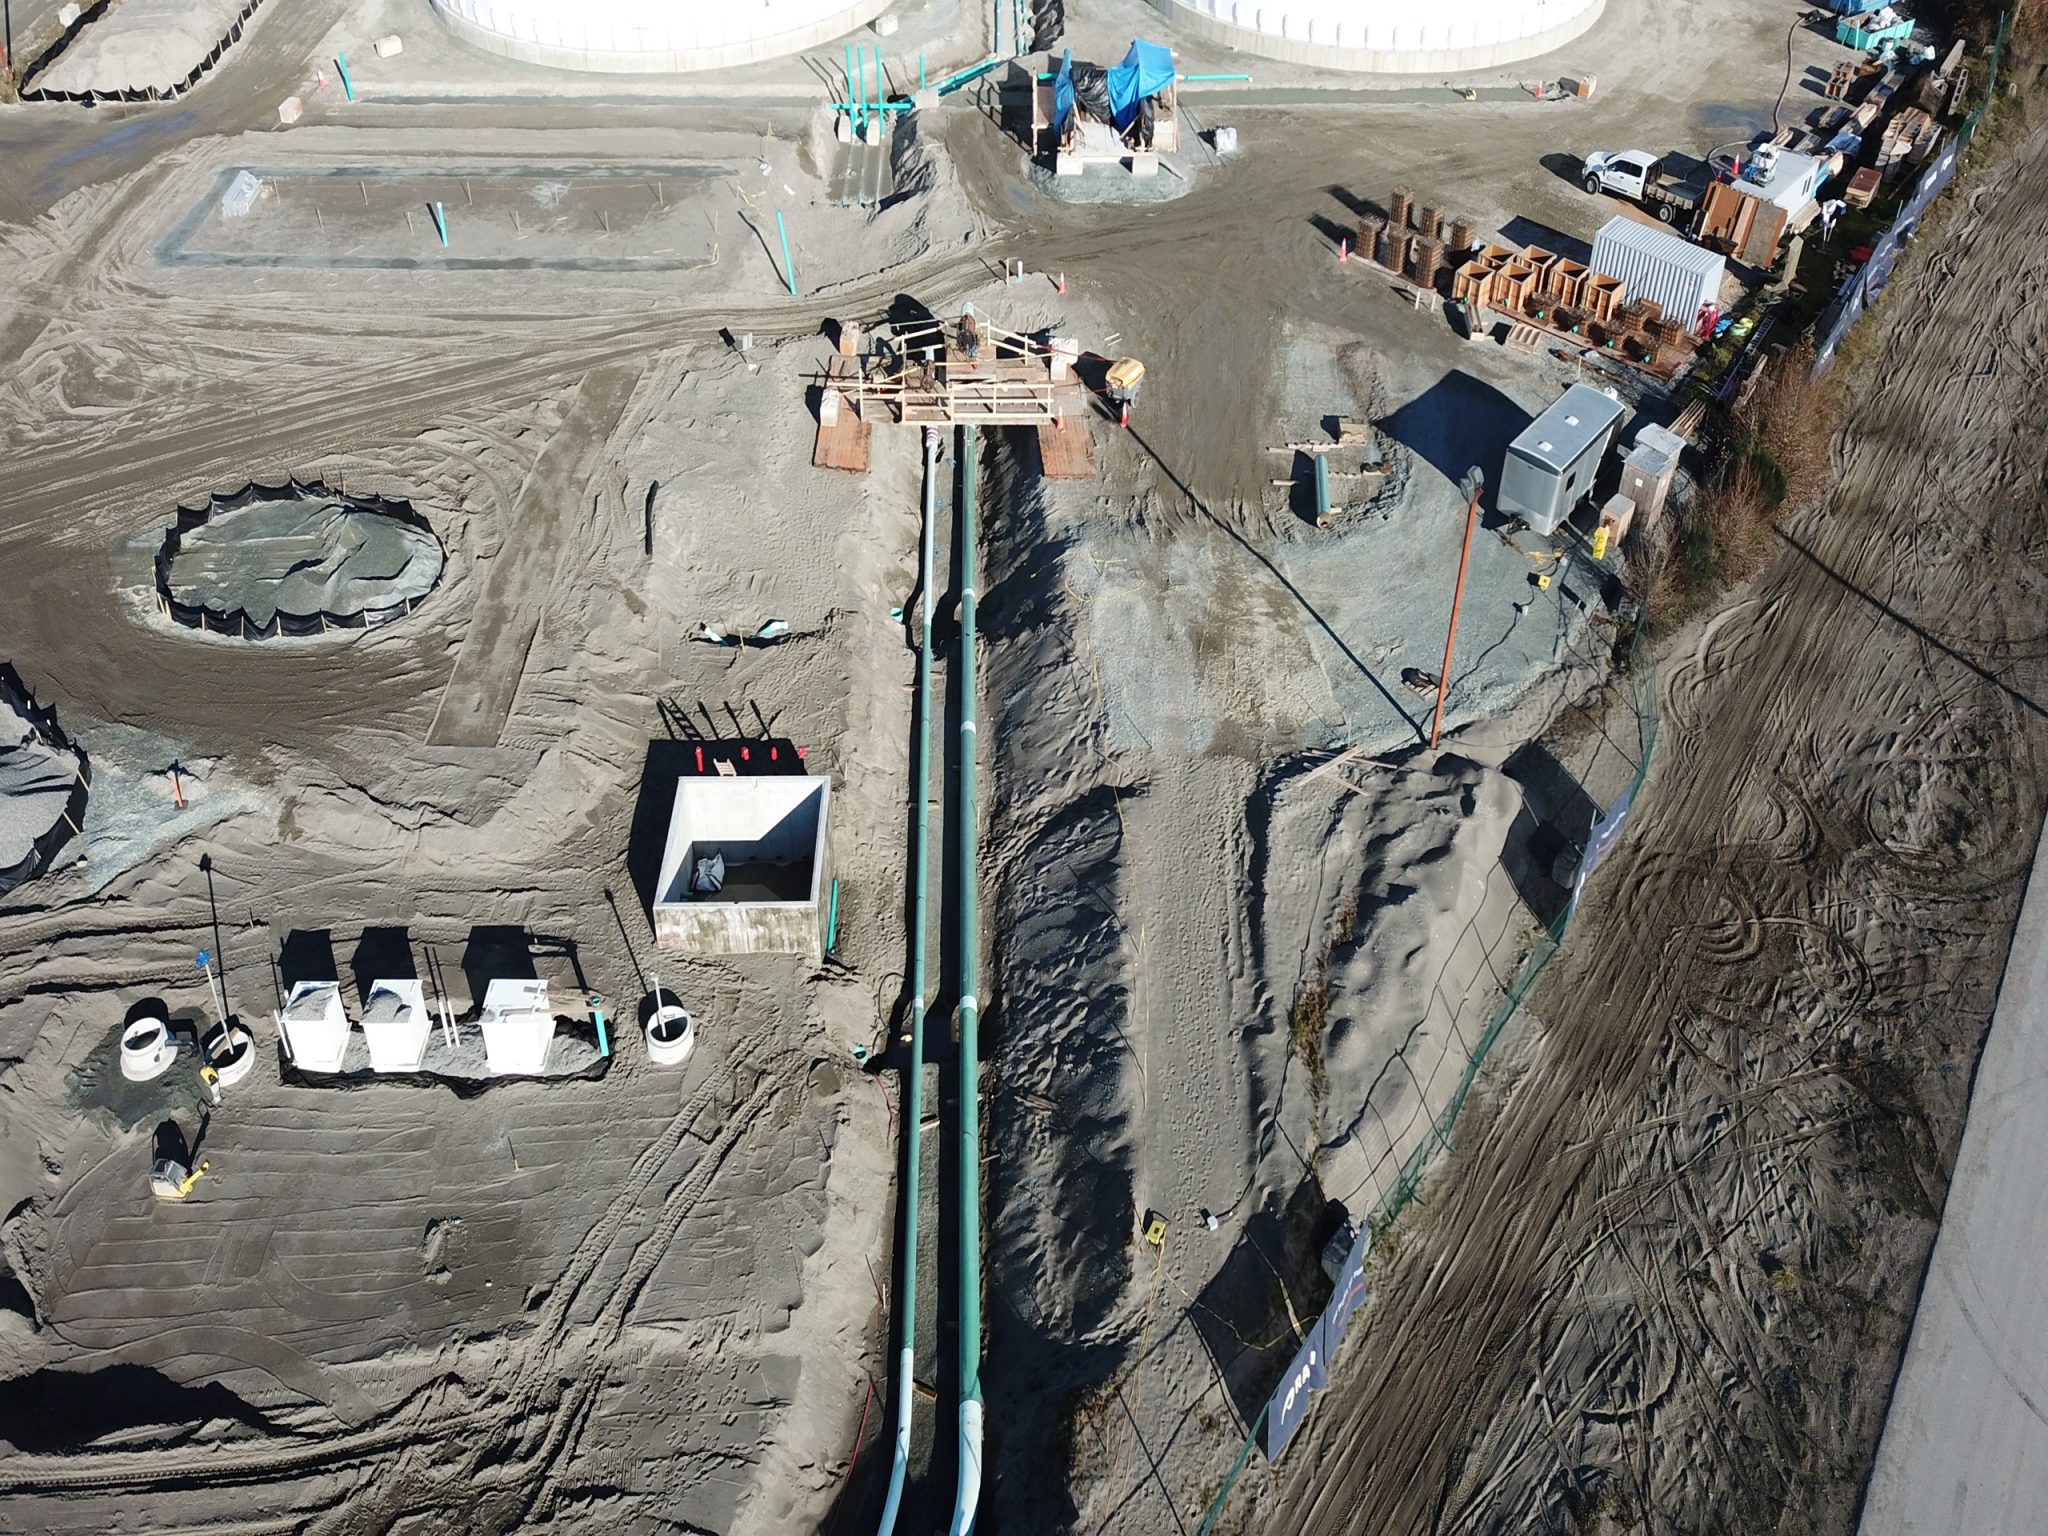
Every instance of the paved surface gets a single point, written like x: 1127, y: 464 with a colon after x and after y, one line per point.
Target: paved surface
x: 1965, y: 1447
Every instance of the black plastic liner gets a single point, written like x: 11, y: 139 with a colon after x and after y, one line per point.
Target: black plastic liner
x: 43, y: 723
x: 236, y: 621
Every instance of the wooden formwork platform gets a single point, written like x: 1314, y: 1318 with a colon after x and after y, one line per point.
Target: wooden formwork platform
x: 844, y: 443
x: 1009, y: 385
x: 1066, y: 445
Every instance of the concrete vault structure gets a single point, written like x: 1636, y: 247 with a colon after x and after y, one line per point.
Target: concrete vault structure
x: 651, y: 36
x: 1389, y: 36
x: 767, y: 836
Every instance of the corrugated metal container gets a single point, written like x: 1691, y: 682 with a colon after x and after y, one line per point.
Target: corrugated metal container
x: 1550, y: 468
x: 1657, y: 265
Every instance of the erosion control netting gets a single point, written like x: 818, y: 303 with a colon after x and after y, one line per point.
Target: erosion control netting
x: 43, y: 784
x: 296, y: 559
x: 1309, y: 1372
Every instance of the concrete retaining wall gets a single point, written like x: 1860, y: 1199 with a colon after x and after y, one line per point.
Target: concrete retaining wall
x: 1389, y: 36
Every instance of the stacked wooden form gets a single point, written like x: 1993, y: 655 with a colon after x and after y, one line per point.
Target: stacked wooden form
x: 1542, y: 288
x: 1533, y: 288
x: 1420, y: 242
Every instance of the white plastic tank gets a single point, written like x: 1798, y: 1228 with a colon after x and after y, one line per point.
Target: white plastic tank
x: 147, y: 1046
x: 232, y: 1055
x: 517, y: 1026
x: 1389, y: 36
x: 395, y: 1025
x: 315, y: 1026
x: 670, y: 1035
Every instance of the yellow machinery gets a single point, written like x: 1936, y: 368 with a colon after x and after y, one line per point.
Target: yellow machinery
x: 1123, y: 379
x: 171, y: 1180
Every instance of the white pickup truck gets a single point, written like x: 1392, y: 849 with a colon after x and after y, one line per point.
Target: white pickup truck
x: 1643, y: 178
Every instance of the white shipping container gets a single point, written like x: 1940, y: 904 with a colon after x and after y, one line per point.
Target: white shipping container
x: 1658, y: 265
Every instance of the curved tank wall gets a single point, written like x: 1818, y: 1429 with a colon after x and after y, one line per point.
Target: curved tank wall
x: 1390, y: 36
x: 651, y: 36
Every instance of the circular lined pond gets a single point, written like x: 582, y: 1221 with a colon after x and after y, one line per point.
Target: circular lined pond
x: 296, y: 559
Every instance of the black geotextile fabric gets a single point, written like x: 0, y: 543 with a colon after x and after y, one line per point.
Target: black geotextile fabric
x: 236, y: 621
x: 42, y: 722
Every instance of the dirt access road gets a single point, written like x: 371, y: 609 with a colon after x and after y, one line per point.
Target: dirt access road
x: 1665, y: 1283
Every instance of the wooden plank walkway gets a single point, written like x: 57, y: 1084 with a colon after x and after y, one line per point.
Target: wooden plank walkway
x: 1067, y: 451
x: 844, y: 443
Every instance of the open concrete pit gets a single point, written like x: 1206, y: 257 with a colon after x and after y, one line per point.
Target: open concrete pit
x: 651, y: 749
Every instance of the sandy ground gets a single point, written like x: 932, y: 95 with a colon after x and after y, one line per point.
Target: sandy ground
x: 663, y: 1303
x: 1960, y: 1443
x: 143, y: 43
x: 1673, y: 1270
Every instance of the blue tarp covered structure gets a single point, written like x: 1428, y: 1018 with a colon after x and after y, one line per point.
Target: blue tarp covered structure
x: 1063, y: 93
x: 1146, y: 71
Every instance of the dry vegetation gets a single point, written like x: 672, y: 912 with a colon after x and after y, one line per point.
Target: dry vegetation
x: 1777, y: 461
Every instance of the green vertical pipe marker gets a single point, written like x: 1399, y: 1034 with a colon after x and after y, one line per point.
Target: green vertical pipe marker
x: 788, y: 267
x: 860, y: 94
x: 913, y: 1074
x: 967, y: 1493
x: 604, y: 1044
x: 440, y: 222
x: 920, y: 72
x: 832, y: 920
x: 341, y: 68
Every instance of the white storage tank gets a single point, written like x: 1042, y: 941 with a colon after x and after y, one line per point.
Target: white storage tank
x: 651, y: 36
x: 517, y: 1026
x: 315, y: 1026
x: 1389, y: 36
x: 395, y: 1025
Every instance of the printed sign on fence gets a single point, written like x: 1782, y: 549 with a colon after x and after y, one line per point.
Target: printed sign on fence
x: 1306, y: 1375
x: 1868, y: 281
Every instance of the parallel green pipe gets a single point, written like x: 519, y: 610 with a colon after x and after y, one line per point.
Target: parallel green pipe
x: 860, y: 65
x: 913, y: 1084
x: 967, y: 1494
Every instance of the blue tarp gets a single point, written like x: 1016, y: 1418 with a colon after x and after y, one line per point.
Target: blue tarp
x: 1063, y: 94
x: 1146, y: 71
x: 1853, y: 7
